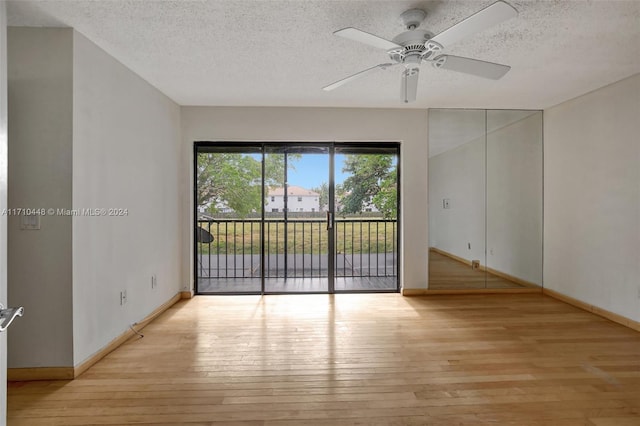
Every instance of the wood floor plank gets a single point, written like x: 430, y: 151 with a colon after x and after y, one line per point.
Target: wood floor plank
x: 446, y: 273
x: 355, y: 359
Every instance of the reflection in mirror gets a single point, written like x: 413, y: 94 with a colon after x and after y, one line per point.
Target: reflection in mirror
x: 485, y: 199
x: 514, y: 197
x: 456, y: 199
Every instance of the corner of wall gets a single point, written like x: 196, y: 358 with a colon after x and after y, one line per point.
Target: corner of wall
x: 592, y: 198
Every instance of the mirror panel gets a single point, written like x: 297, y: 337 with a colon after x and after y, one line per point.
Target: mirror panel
x: 457, y: 148
x: 514, y: 198
x: 485, y: 199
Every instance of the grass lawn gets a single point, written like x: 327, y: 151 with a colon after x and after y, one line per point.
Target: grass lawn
x: 302, y: 236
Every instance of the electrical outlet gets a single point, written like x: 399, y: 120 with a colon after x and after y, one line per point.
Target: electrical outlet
x: 154, y: 281
x: 123, y: 297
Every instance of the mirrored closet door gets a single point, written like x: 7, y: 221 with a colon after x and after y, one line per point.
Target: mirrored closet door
x: 485, y: 199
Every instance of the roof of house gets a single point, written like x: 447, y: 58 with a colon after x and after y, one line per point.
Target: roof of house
x: 292, y: 190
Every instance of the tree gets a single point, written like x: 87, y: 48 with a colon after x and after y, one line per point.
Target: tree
x: 323, y: 191
x: 229, y: 179
x: 386, y: 200
x: 373, y: 179
x: 233, y: 180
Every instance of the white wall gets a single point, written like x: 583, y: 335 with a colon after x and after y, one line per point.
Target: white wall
x: 87, y: 133
x: 592, y: 198
x: 126, y: 155
x: 514, y: 196
x: 459, y: 176
x: 3, y: 205
x: 322, y: 124
x: 40, y: 62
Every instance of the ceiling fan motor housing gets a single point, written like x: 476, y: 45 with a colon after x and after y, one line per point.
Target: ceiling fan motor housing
x: 416, y: 46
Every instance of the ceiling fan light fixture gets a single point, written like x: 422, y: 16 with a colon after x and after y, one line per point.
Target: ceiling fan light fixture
x: 412, y: 61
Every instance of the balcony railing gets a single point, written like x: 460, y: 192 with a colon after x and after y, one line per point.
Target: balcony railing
x: 295, y: 248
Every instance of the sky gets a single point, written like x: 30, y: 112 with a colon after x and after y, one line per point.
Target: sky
x: 311, y: 170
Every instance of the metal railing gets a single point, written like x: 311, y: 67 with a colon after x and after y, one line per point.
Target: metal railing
x: 366, y: 247
x: 295, y: 248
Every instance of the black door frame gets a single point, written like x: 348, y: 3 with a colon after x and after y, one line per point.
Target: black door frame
x: 357, y: 147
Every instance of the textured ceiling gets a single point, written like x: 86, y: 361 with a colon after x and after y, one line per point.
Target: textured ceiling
x: 280, y: 53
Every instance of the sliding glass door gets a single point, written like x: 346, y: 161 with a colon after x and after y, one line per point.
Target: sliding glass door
x: 366, y: 222
x: 296, y: 218
x: 228, y: 218
x: 296, y: 205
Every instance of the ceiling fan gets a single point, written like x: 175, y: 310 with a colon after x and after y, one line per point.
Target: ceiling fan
x: 415, y: 46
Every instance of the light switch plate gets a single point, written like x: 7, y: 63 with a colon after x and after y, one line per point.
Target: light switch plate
x: 30, y: 222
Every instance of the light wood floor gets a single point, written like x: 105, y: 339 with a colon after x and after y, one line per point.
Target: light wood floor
x: 365, y: 359
x: 446, y: 273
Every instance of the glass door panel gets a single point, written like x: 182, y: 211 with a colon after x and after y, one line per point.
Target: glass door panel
x: 228, y: 224
x: 295, y: 225
x: 366, y: 218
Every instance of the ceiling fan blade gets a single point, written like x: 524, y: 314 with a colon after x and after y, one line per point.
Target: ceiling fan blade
x: 409, y: 86
x: 355, y: 76
x: 366, y: 38
x: 471, y: 66
x: 486, y: 18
